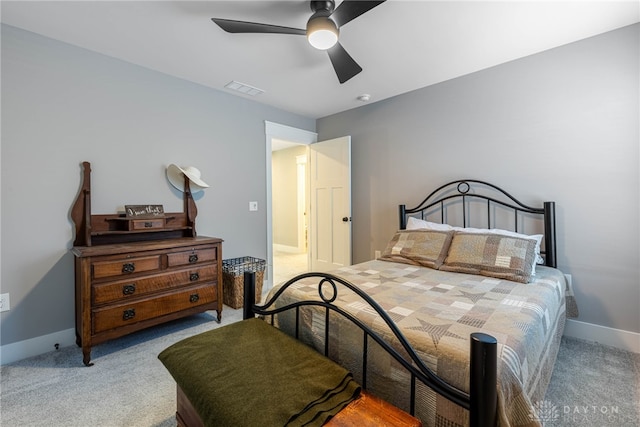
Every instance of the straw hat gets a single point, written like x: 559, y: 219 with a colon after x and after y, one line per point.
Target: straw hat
x: 176, y: 175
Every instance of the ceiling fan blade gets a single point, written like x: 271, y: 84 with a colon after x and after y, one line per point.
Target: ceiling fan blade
x: 231, y: 26
x: 350, y: 10
x: 343, y: 63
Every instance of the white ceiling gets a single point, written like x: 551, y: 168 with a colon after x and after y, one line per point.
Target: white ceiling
x: 401, y: 45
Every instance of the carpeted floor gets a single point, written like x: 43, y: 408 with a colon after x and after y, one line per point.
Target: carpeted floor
x: 592, y: 385
x: 127, y: 385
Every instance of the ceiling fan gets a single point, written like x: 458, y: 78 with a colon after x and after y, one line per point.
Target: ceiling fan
x: 322, y: 31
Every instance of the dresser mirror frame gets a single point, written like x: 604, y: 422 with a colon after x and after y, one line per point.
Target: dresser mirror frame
x: 101, y: 229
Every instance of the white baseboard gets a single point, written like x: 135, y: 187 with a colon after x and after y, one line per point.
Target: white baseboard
x: 624, y: 340
x: 13, y: 352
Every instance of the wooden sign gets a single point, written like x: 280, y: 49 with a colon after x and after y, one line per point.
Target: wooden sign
x: 144, y: 211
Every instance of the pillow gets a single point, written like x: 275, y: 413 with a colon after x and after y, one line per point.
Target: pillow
x: 536, y: 237
x: 491, y: 254
x: 427, y: 248
x: 418, y: 224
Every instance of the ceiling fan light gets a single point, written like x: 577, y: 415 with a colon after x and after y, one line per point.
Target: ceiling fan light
x: 322, y: 33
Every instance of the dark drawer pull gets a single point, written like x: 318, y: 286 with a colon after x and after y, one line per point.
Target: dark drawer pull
x: 148, y: 224
x: 193, y: 258
x: 194, y: 298
x: 194, y: 276
x: 128, y: 289
x: 129, y: 267
x: 129, y: 314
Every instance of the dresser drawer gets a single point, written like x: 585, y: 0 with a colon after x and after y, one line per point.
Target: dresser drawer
x: 192, y: 256
x: 146, y: 224
x: 134, y: 287
x: 115, y: 316
x: 125, y: 266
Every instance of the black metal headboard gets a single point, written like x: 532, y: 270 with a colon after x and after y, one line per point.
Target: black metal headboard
x: 461, y: 193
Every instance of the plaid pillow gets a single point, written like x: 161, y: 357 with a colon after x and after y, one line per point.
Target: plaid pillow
x: 419, y: 247
x: 494, y: 255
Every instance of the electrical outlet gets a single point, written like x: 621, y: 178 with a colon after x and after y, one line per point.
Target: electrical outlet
x: 377, y: 254
x: 253, y: 206
x: 5, y: 304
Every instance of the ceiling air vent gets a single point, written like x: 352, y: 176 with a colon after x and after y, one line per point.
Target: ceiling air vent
x: 244, y: 88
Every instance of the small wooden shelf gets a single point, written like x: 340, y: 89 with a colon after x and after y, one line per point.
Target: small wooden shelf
x: 106, y: 233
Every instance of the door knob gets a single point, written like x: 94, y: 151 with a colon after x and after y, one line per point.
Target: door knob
x: 345, y: 219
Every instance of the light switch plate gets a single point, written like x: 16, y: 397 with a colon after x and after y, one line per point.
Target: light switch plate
x: 5, y: 303
x: 253, y: 206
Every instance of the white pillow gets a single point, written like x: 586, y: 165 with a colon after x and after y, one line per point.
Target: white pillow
x: 420, y: 224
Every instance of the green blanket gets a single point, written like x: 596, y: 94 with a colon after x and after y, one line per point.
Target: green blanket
x: 252, y: 374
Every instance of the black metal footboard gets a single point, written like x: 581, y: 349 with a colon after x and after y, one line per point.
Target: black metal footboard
x: 481, y: 401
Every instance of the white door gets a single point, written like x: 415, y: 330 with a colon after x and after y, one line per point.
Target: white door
x: 330, y: 204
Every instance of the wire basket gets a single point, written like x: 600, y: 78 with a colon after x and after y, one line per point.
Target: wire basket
x: 233, y: 279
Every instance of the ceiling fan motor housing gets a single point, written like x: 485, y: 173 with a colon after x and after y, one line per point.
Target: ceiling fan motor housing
x: 320, y: 6
x: 321, y: 18
x: 322, y: 31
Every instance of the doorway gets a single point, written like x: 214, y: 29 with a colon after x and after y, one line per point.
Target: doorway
x: 326, y: 233
x: 276, y: 136
x: 289, y: 216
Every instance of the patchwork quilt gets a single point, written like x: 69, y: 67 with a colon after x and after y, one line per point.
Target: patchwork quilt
x: 437, y: 311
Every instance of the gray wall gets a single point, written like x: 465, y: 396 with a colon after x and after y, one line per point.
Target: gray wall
x: 62, y: 105
x: 561, y: 125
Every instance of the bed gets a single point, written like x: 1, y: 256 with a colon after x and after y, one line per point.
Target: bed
x: 494, y: 273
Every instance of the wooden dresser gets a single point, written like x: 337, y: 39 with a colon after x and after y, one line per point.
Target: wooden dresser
x: 132, y: 278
